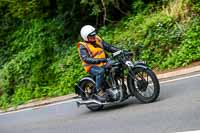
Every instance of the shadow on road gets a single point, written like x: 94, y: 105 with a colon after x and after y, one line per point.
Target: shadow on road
x: 166, y: 94
x: 114, y: 107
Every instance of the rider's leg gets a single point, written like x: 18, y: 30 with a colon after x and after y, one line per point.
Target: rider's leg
x: 98, y: 72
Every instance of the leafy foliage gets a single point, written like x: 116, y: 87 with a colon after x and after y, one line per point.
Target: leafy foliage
x: 40, y: 66
x: 189, y: 49
x: 157, y: 33
x: 166, y: 39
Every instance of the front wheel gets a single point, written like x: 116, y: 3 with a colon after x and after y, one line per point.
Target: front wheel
x: 143, y: 84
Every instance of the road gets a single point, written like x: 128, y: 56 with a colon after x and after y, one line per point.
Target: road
x: 176, y: 110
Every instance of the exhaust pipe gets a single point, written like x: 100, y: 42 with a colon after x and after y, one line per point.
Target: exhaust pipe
x: 88, y: 102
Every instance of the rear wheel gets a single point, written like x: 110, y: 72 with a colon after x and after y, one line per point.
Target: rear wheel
x: 144, y: 84
x: 88, y: 86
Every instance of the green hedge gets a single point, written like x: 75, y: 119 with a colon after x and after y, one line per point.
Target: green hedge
x: 158, y: 33
x: 189, y: 49
x: 40, y: 66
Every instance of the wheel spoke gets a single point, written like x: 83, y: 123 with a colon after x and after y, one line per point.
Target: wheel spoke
x: 147, y: 79
x: 135, y: 84
x: 146, y: 87
x: 141, y: 76
x: 149, y: 91
x: 137, y: 79
x: 142, y: 93
x: 151, y: 88
x: 145, y: 95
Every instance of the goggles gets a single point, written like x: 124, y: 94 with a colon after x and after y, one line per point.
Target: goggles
x: 93, y: 33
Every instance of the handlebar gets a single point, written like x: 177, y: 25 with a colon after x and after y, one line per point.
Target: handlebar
x: 128, y: 54
x: 120, y: 55
x: 121, y: 52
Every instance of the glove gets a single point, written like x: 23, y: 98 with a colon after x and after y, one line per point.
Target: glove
x: 108, y: 60
x: 109, y: 63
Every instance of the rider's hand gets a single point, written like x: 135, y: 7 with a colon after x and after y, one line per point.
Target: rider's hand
x: 108, y: 59
x: 109, y: 63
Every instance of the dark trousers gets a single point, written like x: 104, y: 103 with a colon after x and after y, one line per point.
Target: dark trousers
x: 98, y: 73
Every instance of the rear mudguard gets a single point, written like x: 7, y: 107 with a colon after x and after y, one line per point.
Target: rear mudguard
x: 78, y: 89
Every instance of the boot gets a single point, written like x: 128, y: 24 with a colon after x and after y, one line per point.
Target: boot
x: 100, y: 96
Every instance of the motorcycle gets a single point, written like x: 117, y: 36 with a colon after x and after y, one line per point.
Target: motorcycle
x: 122, y: 79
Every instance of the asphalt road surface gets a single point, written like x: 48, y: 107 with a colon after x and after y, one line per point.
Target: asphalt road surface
x: 176, y: 110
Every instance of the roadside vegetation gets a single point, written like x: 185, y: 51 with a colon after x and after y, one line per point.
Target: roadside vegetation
x: 38, y: 55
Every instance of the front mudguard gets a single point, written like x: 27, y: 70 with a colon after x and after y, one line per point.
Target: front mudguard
x: 140, y: 65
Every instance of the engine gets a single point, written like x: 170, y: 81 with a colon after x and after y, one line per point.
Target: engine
x: 113, y: 94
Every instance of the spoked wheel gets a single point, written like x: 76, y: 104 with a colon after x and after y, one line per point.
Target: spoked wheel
x: 87, y: 86
x: 145, y: 85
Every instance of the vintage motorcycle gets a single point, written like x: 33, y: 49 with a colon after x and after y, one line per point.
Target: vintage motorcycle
x: 122, y: 80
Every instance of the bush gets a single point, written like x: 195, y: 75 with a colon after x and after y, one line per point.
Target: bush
x: 189, y: 49
x: 170, y: 39
x: 157, y: 32
x: 40, y: 65
x: 195, y: 5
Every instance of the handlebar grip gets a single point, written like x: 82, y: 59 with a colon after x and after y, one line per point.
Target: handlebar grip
x: 128, y: 53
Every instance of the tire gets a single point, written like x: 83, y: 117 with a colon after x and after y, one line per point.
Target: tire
x: 87, y: 86
x: 140, y: 85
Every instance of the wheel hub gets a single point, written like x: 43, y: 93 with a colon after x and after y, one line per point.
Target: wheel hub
x: 142, y: 85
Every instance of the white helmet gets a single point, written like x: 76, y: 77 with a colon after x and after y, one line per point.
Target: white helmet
x: 87, y: 30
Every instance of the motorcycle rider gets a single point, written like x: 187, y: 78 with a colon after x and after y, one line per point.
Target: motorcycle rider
x: 92, y: 53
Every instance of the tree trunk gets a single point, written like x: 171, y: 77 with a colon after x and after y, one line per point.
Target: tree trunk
x: 117, y: 6
x: 104, y: 10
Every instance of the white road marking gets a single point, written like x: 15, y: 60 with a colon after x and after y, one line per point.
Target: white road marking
x: 197, y: 131
x: 32, y: 108
x: 74, y: 100
x: 182, y: 78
